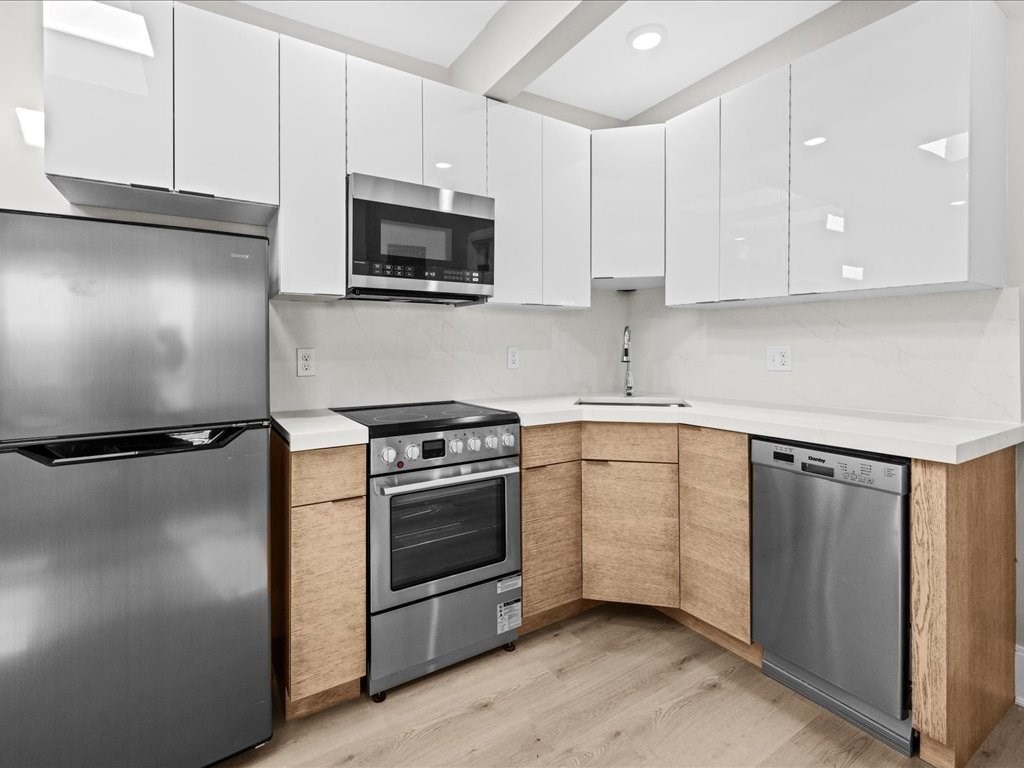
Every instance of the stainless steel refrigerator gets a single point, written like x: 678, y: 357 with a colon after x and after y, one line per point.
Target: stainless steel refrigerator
x: 134, y: 610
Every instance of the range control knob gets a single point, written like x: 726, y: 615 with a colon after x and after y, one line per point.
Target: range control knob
x: 491, y: 441
x: 412, y: 451
x: 473, y: 443
x: 455, y: 446
x: 388, y: 455
x: 508, y: 440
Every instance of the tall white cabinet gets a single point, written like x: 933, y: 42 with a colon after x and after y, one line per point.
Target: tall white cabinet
x: 385, y: 122
x: 566, y: 215
x: 309, y: 234
x: 225, y: 107
x: 514, y: 179
x: 454, y: 139
x: 899, y: 153
x: 628, y: 202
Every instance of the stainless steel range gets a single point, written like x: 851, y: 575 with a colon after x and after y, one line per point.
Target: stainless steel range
x: 444, y: 536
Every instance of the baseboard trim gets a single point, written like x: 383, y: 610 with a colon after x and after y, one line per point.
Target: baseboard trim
x: 1019, y: 668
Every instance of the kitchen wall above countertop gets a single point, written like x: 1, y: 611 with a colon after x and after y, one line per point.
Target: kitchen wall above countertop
x: 931, y: 438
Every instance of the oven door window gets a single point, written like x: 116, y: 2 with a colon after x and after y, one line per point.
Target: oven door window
x: 446, y: 531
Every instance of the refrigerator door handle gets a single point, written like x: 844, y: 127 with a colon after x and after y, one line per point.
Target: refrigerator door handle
x: 69, y: 453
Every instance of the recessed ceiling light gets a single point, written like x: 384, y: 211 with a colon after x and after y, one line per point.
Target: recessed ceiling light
x: 32, y: 126
x: 816, y: 141
x: 959, y: 202
x: 443, y: 166
x: 100, y: 23
x: 647, y: 37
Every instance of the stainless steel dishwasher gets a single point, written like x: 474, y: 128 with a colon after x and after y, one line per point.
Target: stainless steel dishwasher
x: 830, y: 580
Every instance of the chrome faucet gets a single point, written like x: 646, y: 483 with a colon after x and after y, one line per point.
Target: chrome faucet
x: 628, y: 385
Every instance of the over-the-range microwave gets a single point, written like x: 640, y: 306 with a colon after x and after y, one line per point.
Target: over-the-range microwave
x: 408, y: 242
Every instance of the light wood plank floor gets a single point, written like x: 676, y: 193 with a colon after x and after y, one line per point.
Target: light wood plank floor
x: 616, y: 686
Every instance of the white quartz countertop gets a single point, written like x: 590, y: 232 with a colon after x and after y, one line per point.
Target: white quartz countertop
x: 933, y: 438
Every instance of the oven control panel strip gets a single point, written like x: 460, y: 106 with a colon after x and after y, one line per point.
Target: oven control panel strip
x: 424, y: 450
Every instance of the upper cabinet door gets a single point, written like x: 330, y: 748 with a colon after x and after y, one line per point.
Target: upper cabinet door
x: 225, y: 107
x: 309, y: 236
x: 385, y: 122
x: 566, y: 216
x: 754, y: 247
x: 691, y: 205
x: 628, y: 203
x: 514, y: 181
x: 109, y: 111
x: 886, y: 134
x: 454, y: 139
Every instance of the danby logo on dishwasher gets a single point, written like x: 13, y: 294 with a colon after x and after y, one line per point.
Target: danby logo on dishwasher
x: 815, y: 458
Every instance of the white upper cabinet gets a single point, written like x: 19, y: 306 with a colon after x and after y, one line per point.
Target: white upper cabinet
x: 454, y: 139
x: 225, y: 107
x: 628, y: 202
x: 898, y: 153
x: 109, y: 111
x: 691, y: 205
x: 385, y: 122
x: 566, y: 215
x: 514, y: 161
x: 309, y: 235
x: 754, y: 237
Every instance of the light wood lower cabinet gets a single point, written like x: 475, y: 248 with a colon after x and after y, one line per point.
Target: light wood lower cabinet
x: 714, y: 528
x: 552, y: 538
x: 631, y: 532
x: 318, y: 574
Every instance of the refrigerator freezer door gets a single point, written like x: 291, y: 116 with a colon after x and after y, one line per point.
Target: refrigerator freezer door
x: 134, y: 617
x: 108, y: 328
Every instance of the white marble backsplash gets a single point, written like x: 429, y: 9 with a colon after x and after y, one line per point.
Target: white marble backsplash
x: 370, y: 352
x: 952, y: 354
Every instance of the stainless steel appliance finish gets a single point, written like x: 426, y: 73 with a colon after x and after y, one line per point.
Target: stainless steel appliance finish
x: 115, y: 327
x: 830, y: 582
x: 409, y: 242
x: 134, y: 611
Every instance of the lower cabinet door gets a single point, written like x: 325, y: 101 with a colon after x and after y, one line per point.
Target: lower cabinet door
x: 327, y: 594
x: 552, y: 537
x: 631, y: 532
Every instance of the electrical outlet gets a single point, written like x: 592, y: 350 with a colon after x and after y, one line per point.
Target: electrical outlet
x: 513, y: 357
x: 305, y: 361
x: 780, y: 359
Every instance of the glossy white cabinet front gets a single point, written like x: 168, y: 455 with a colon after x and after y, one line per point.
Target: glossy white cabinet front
x: 309, y: 235
x: 566, y: 225
x: 109, y: 111
x: 628, y: 202
x: 897, y: 133
x: 514, y: 158
x: 754, y: 234
x: 454, y: 139
x: 692, y: 205
x: 225, y: 107
x: 385, y: 122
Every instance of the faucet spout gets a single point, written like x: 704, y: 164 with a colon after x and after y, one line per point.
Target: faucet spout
x: 627, y: 388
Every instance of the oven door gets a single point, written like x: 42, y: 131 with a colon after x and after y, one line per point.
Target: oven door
x: 441, y: 529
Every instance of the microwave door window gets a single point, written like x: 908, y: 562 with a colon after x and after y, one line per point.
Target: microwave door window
x: 399, y: 240
x: 446, y: 531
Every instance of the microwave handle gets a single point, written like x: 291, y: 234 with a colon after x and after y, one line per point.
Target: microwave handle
x: 447, y: 481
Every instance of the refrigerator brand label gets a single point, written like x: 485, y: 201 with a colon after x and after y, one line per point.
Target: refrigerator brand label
x: 510, y: 615
x: 512, y: 582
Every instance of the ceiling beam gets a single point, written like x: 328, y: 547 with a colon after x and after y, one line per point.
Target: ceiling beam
x: 522, y: 40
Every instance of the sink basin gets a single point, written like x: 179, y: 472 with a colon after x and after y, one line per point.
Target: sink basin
x: 658, y: 400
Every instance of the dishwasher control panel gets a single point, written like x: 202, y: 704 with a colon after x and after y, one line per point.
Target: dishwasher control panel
x: 892, y: 476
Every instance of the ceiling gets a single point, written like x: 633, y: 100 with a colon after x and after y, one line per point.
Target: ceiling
x: 573, y: 55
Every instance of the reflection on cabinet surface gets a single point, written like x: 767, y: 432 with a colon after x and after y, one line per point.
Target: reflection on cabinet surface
x: 898, y: 153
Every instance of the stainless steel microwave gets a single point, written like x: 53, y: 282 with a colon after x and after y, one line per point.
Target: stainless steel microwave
x: 408, y: 242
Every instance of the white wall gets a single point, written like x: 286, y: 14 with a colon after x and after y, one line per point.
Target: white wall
x: 369, y: 352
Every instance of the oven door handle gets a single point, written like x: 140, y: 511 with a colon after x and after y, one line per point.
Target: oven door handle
x: 448, y: 481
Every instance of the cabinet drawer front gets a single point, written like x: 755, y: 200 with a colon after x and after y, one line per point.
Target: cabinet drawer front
x: 328, y: 474
x: 327, y: 593
x: 550, y: 444
x: 630, y: 442
x: 551, y: 491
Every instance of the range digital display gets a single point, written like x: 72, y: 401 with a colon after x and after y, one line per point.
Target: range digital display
x: 433, y: 449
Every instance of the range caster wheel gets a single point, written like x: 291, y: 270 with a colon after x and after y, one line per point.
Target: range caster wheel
x: 509, y: 647
x: 379, y: 697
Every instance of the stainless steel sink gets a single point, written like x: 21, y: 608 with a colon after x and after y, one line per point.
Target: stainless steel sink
x: 657, y: 400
